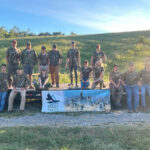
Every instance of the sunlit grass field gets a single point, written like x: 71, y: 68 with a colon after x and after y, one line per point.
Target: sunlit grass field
x: 120, y: 48
x: 127, y: 137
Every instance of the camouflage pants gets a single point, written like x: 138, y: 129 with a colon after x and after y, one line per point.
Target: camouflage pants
x: 95, y: 83
x: 12, y: 96
x: 75, y: 69
x: 116, y: 93
x: 12, y: 69
x: 37, y: 86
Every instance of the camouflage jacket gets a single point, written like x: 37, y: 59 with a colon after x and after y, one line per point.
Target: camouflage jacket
x: 115, y: 76
x: 28, y: 57
x: 73, y: 55
x: 43, y: 59
x: 4, y: 81
x: 86, y: 72
x: 54, y: 56
x: 97, y: 57
x: 13, y: 56
x: 145, y: 77
x: 131, y: 78
x: 97, y: 72
x: 20, y: 81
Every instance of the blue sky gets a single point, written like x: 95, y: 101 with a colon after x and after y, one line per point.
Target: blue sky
x: 79, y: 16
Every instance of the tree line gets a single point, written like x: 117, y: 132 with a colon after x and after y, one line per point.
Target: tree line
x: 16, y: 32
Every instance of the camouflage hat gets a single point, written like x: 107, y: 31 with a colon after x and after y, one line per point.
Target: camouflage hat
x: 43, y: 47
x: 14, y: 41
x: 28, y: 43
x: 116, y: 65
x: 131, y: 63
x: 73, y: 42
x: 19, y: 68
x: 54, y: 46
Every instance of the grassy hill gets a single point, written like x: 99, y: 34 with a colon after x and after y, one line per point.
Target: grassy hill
x: 119, y: 47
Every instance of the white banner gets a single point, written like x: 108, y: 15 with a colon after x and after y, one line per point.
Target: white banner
x: 76, y: 100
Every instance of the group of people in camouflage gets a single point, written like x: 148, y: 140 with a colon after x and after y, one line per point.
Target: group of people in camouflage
x: 132, y: 82
x: 20, y: 65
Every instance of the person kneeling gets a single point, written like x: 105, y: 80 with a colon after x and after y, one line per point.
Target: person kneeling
x: 98, y: 73
x: 42, y: 81
x: 85, y: 75
x: 20, y: 83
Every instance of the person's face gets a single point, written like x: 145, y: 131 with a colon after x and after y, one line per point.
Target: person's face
x: 3, y: 69
x: 131, y: 68
x: 43, y: 72
x: 43, y: 50
x: 147, y: 67
x: 85, y: 64
x: 73, y: 45
x: 19, y: 72
x: 28, y: 46
x: 53, y: 48
x: 98, y: 48
x: 116, y: 68
x: 14, y: 44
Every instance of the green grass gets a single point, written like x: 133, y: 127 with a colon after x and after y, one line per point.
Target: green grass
x: 94, y: 138
x: 119, y: 47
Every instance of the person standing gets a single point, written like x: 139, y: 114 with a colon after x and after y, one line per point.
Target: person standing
x: 98, y: 55
x: 13, y: 58
x: 131, y: 82
x: 20, y: 83
x: 55, y: 60
x: 28, y: 60
x: 4, y: 85
x: 145, y: 81
x: 85, y: 75
x: 73, y: 60
x: 115, y: 85
x: 98, y: 73
x: 43, y: 60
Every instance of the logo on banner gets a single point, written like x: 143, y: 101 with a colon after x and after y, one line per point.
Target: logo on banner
x: 51, y: 99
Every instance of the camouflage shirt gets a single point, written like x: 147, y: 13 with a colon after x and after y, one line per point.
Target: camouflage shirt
x: 4, y: 81
x: 54, y: 56
x: 97, y: 71
x: 43, y: 59
x: 115, y: 76
x: 86, y: 71
x: 28, y: 57
x: 97, y: 56
x: 43, y: 78
x: 130, y: 78
x: 73, y: 55
x: 13, y: 56
x: 145, y: 77
x: 20, y: 81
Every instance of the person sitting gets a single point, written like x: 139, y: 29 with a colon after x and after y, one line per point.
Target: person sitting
x: 42, y: 81
x: 131, y: 82
x: 115, y: 85
x: 20, y: 83
x: 5, y: 81
x: 98, y: 73
x: 85, y: 75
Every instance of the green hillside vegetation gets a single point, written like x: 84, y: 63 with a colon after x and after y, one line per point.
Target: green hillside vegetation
x: 120, y: 48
